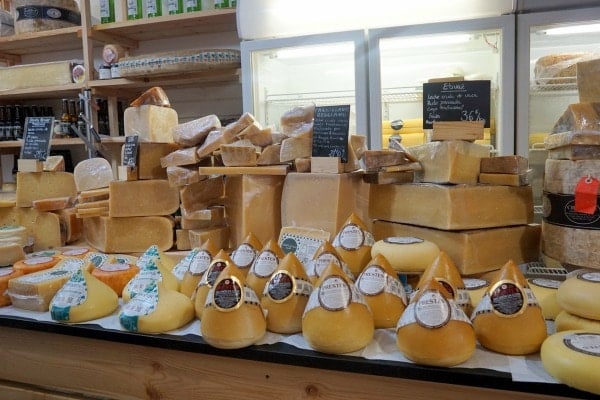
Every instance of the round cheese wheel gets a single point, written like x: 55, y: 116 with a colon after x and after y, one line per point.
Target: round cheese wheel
x: 566, y: 321
x: 573, y: 358
x: 545, y: 292
x: 406, y: 254
x: 580, y: 294
x: 6, y: 274
x: 115, y: 275
x: 34, y: 264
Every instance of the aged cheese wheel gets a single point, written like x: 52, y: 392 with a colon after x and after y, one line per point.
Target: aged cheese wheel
x: 353, y: 243
x: 573, y: 358
x: 232, y: 316
x: 198, y: 260
x: 580, y: 294
x: 406, y: 254
x: 285, y: 296
x: 545, y: 292
x: 220, y: 261
x: 383, y: 292
x: 336, y: 319
x: 565, y: 321
x: 244, y: 254
x: 149, y: 272
x: 433, y: 330
x: 6, y: 274
x: 115, y: 275
x: 43, y: 15
x: 34, y: 264
x: 445, y: 272
x: 83, y: 298
x: 325, y: 255
x: 508, y: 319
x: 263, y: 266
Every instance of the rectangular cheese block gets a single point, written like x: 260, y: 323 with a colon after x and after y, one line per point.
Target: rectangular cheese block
x: 128, y: 234
x: 323, y: 201
x: 43, y: 185
x: 142, y: 198
x: 504, y: 165
x: 184, y: 175
x: 573, y: 246
x: 562, y: 176
x: 475, y: 250
x: 197, y: 196
x: 10, y: 253
x: 505, y: 179
x: 42, y: 227
x: 148, y: 162
x: 452, y: 207
x: 588, y: 80
x: 151, y: 123
x: 219, y: 236
x: 36, y: 75
x: 454, y: 161
x: 71, y: 227
x: 253, y: 205
x: 201, y: 219
x: 182, y: 239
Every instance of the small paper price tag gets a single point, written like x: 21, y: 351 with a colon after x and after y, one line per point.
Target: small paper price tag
x: 586, y: 195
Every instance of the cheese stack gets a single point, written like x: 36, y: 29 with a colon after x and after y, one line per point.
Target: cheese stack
x: 578, y: 297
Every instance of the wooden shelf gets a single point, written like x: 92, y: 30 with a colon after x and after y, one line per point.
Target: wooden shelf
x: 15, y: 144
x: 41, y: 42
x: 46, y: 92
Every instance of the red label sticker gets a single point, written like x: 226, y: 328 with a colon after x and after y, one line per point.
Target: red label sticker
x: 586, y: 195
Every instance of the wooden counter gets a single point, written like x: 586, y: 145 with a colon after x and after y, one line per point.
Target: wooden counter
x: 53, y: 361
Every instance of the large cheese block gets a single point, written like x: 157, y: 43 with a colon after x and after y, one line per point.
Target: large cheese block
x: 128, y: 234
x: 219, y: 235
x: 151, y: 123
x: 588, y: 77
x: 573, y: 246
x: 562, y: 176
x: 454, y: 207
x: 142, y: 198
x: 43, y: 185
x: 454, y: 161
x: 36, y: 75
x: 43, y: 227
x: 474, y: 250
x: 197, y: 196
x: 579, y: 117
x: 323, y: 201
x: 93, y: 173
x: 149, y: 155
x: 253, y: 204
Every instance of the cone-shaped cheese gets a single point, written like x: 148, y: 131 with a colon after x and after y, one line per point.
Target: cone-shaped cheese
x: 382, y: 291
x: 566, y: 321
x: 336, y: 319
x: 83, y: 298
x: 232, y: 316
x: 263, y: 266
x: 243, y: 256
x: 198, y: 260
x: 150, y: 272
x: 159, y: 257
x: 445, y: 272
x: 116, y: 275
x: 156, y: 310
x: 508, y: 319
x: 285, y: 296
x: 6, y: 274
x: 476, y: 287
x: 218, y: 264
x: 545, y: 291
x: 433, y: 330
x: 580, y: 294
x: 353, y: 243
x: 325, y: 255
x: 34, y: 264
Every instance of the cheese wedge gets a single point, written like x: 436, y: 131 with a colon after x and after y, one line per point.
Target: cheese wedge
x: 42, y: 185
x: 264, y: 265
x: 194, y: 132
x: 10, y: 253
x: 245, y: 253
x: 150, y: 122
x: 580, y: 294
x: 6, y: 274
x: 195, y: 263
x: 208, y: 279
x: 115, y: 275
x: 353, y: 243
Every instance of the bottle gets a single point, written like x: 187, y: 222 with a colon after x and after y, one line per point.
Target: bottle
x: 134, y: 9
x: 18, y: 126
x: 72, y: 118
x: 65, y: 119
x: 175, y: 6
x: 80, y: 112
x: 221, y: 3
x: 107, y: 11
x: 2, y: 122
x: 9, y: 123
x: 153, y: 8
x: 193, y: 5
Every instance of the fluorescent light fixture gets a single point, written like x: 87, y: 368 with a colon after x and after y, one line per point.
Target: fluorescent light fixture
x: 316, y: 51
x: 573, y: 29
x: 423, y: 41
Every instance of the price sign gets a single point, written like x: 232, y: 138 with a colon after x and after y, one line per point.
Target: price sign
x: 130, y: 151
x: 36, y: 138
x: 456, y: 101
x: 330, y: 132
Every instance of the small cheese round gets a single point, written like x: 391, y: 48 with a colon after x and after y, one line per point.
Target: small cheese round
x: 580, y: 294
x: 34, y: 264
x: 406, y: 254
x: 566, y: 321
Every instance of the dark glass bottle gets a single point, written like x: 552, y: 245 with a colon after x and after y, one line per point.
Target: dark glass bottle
x: 2, y: 122
x: 18, y: 126
x: 9, y: 123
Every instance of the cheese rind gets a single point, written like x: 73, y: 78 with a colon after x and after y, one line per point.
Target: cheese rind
x: 218, y: 235
x: 181, y: 176
x: 42, y: 185
x: 149, y: 156
x: 565, y: 321
x: 180, y: 157
x: 142, y: 198
x: 574, y: 246
x: 562, y: 176
x: 580, y: 294
x: 151, y: 123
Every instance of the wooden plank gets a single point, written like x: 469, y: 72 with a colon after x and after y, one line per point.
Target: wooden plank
x: 266, y: 170
x: 457, y: 130
x: 12, y: 391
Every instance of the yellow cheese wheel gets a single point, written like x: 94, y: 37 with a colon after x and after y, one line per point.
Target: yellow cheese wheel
x: 406, y: 254
x: 34, y: 264
x: 264, y: 265
x: 580, y: 294
x: 196, y: 262
x: 545, y: 292
x: 566, y: 321
x: 6, y: 274
x: 573, y: 358
x: 353, y: 243
x: 115, y: 275
x: 218, y: 264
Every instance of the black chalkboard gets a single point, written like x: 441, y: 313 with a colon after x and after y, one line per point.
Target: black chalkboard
x: 130, y: 151
x: 36, y: 138
x: 330, y: 132
x: 456, y: 101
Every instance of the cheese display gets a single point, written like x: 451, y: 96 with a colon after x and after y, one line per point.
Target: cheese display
x: 245, y: 253
x: 150, y: 272
x: 383, y: 292
x: 572, y: 358
x: 194, y: 132
x: 580, y: 294
x: 42, y: 185
x: 263, y: 266
x: 6, y: 274
x: 337, y: 319
x: 197, y: 196
x: 83, y: 298
x: 233, y: 317
x: 285, y: 296
x: 579, y: 117
x: 253, y: 203
x: 545, y: 291
x: 128, y: 234
x: 353, y: 243
x: 92, y: 173
x: 406, y: 253
x: 142, y: 198
x: 220, y: 261
x: 35, y: 264
x: 566, y: 321
x: 148, y: 159
x: 508, y: 319
x: 115, y: 275
x: 587, y: 80
x: 433, y: 330
x: 218, y: 235
x: 151, y: 123
x: 195, y: 263
x: 156, y: 309
x: 456, y: 207
x: 324, y: 256
x: 474, y: 250
x: 453, y: 161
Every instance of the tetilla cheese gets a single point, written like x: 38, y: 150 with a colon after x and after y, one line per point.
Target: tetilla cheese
x: 148, y: 160
x: 142, y: 198
x: 233, y: 317
x: 566, y: 321
x: 83, y: 298
x: 197, y: 260
x: 452, y: 207
x: 405, y: 253
x: 580, y: 294
x: 93, y: 173
x: 353, y: 243
x: 325, y: 255
x: 303, y: 242
x: 115, y: 275
x: 194, y: 132
x: 508, y: 319
x: 220, y: 261
x: 285, y: 296
x: 337, y: 319
x: 383, y: 292
x: 572, y: 357
x: 196, y: 196
x: 151, y: 123
x: 42, y: 185
x: 148, y: 274
x: 545, y: 291
x: 156, y: 309
x: 155, y: 254
x: 6, y: 274
x: 245, y: 253
x: 35, y: 264
x: 574, y: 246
x: 433, y: 330
x: 264, y: 265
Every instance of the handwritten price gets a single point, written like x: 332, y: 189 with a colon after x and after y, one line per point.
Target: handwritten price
x: 472, y: 115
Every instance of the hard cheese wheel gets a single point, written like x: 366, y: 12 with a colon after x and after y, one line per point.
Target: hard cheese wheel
x: 573, y: 358
x: 92, y: 173
x: 406, y: 254
x: 566, y: 321
x: 580, y: 294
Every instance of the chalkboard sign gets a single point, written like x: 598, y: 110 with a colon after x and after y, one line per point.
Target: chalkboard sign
x: 130, y: 151
x: 36, y: 138
x: 456, y: 101
x: 330, y: 132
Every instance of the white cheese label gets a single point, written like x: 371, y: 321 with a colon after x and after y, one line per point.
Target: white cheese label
x: 334, y: 294
x: 113, y: 267
x: 6, y: 271
x: 589, y: 277
x: 200, y: 262
x: 372, y: 280
x: 143, y: 304
x: 244, y: 255
x: 151, y: 254
x: 37, y: 260
x: 321, y: 262
x: 432, y: 310
x: 45, y: 276
x: 73, y: 292
x: 403, y: 240
x: 75, y: 252
x: 265, y: 264
x: 303, y: 247
x: 474, y: 283
x: 586, y: 343
x: 184, y: 265
x: 97, y: 259
x: 545, y: 283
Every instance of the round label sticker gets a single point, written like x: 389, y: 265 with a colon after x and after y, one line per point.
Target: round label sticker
x: 372, y: 280
x: 6, y: 271
x: 448, y: 286
x: 114, y: 267
x: 228, y: 294
x: 474, y: 283
x: 545, y: 283
x: 507, y: 299
x: 281, y: 286
x: 213, y: 272
x: 323, y: 261
x: 432, y: 310
x: 265, y: 264
x: 589, y: 276
x: 334, y: 293
x: 351, y: 237
x: 403, y: 240
x: 75, y: 252
x: 37, y: 260
x: 586, y: 343
x: 200, y: 262
x: 243, y: 256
